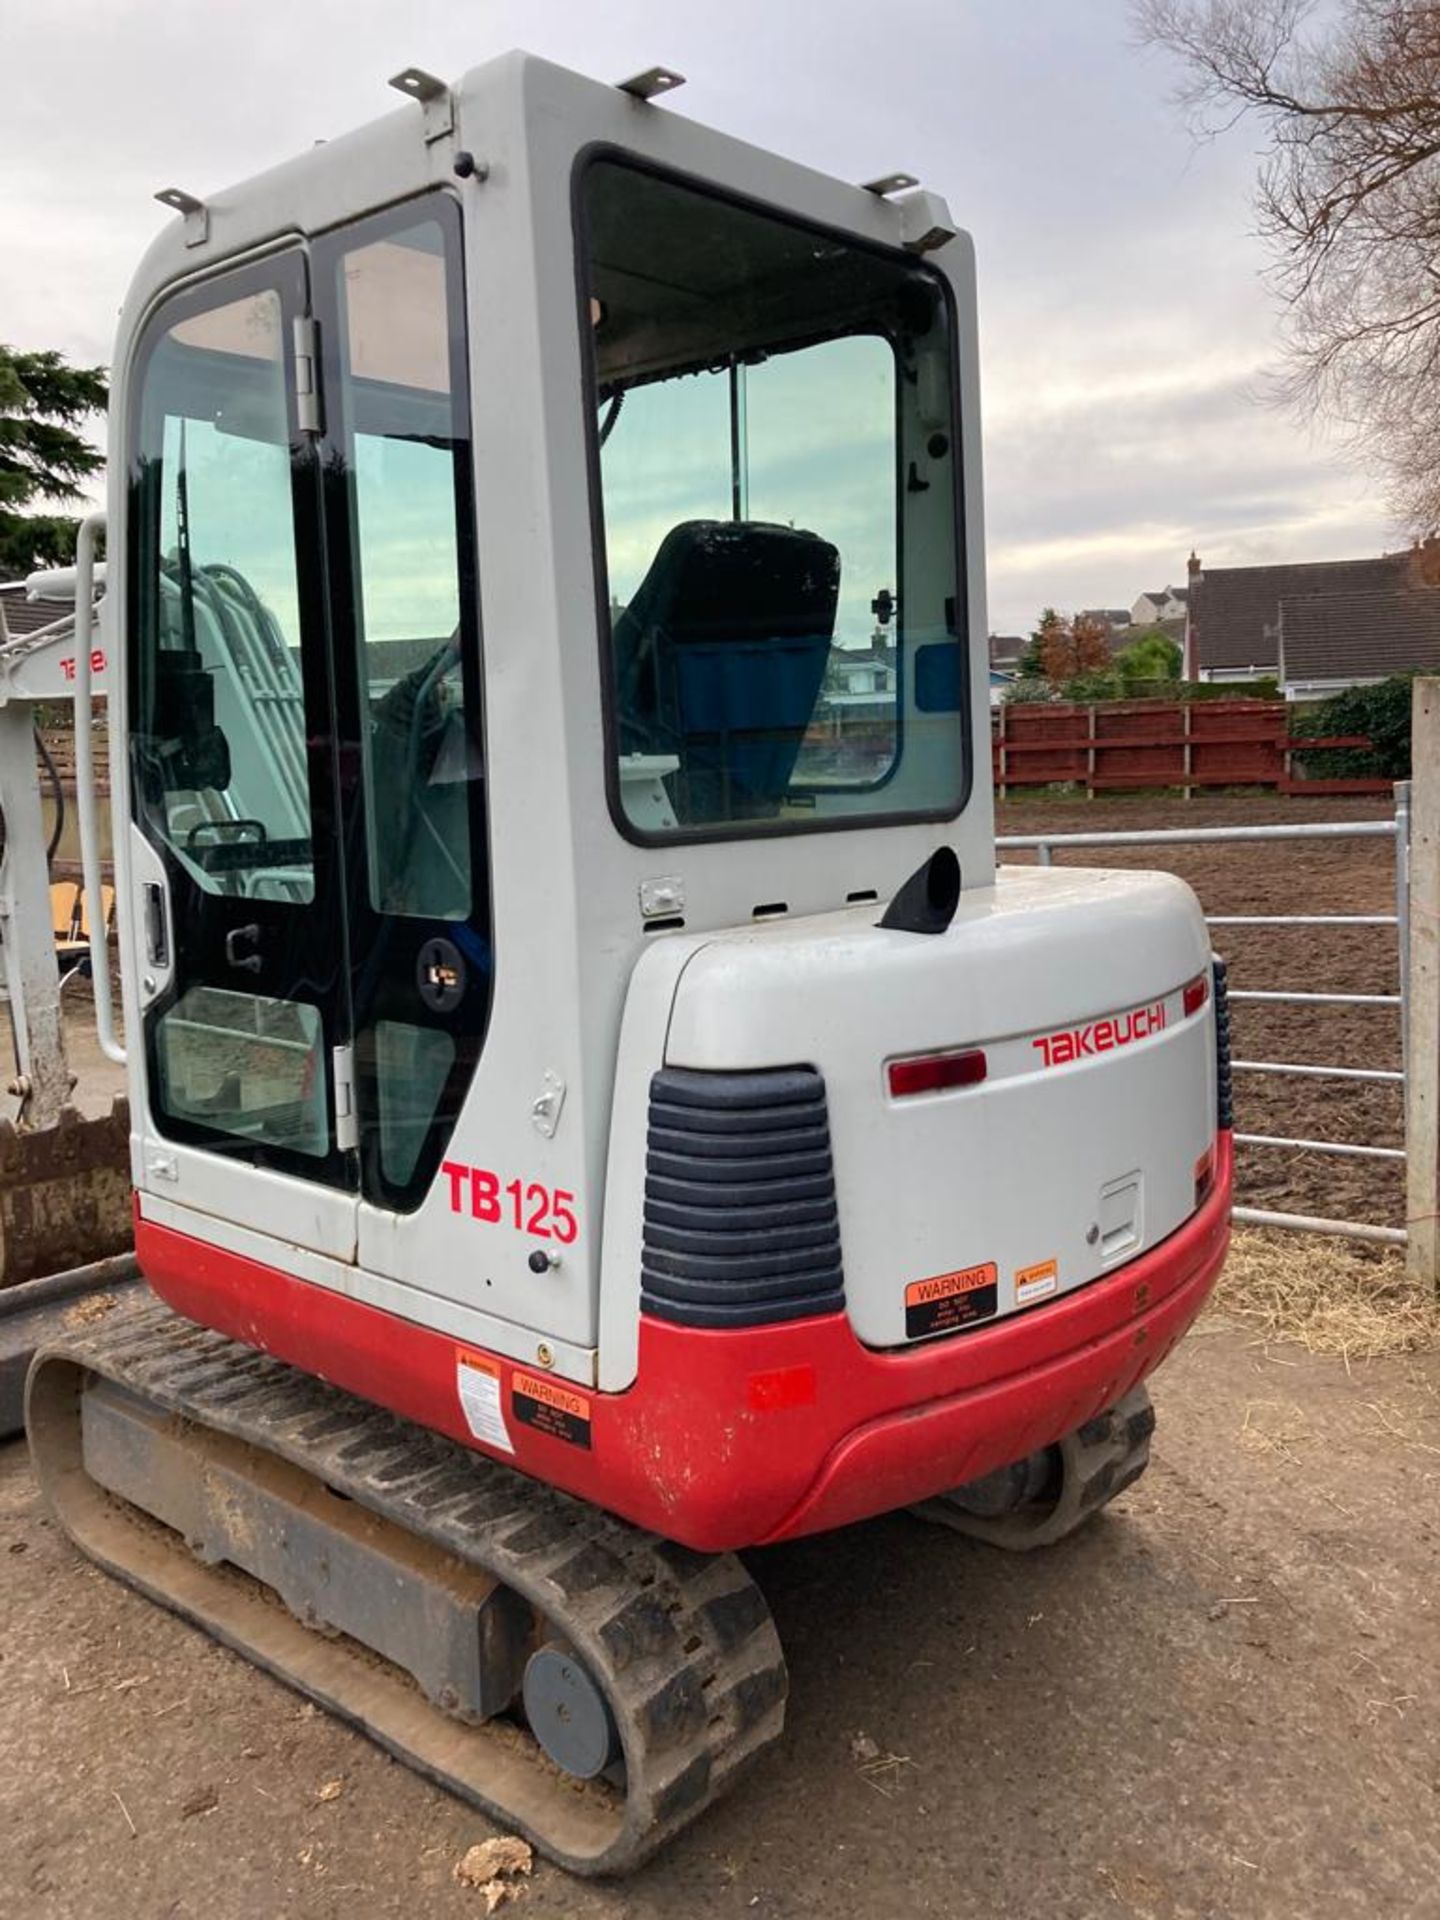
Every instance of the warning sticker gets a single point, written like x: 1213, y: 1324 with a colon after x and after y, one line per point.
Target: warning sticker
x: 1033, y: 1283
x: 478, y: 1381
x: 950, y: 1300
x: 551, y: 1408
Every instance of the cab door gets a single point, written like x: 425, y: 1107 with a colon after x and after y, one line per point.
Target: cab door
x: 246, y: 1108
x: 309, y: 854
x: 404, y: 612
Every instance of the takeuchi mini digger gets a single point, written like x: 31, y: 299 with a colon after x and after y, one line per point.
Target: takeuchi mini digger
x: 596, y: 1104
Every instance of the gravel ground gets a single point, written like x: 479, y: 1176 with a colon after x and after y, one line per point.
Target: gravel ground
x: 1222, y: 1698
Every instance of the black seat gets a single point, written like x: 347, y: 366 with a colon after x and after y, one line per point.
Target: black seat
x: 719, y: 659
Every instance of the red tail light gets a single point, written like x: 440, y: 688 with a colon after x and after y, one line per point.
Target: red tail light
x: 936, y: 1072
x: 1196, y: 993
x: 1204, y: 1175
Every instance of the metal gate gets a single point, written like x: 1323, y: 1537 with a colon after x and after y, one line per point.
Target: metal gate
x: 1396, y: 925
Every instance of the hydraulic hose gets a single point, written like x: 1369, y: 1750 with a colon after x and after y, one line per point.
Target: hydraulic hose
x: 56, y: 788
x: 53, y: 774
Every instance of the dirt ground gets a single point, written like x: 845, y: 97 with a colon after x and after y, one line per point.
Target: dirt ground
x: 1317, y: 876
x: 1221, y: 1699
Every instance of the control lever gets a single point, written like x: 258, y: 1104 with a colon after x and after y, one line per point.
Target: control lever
x: 238, y: 936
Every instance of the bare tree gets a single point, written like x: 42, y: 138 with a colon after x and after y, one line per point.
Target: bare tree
x: 1348, y: 198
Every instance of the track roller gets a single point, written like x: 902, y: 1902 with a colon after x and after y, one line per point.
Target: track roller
x: 1044, y: 1498
x: 585, y: 1683
x: 569, y: 1714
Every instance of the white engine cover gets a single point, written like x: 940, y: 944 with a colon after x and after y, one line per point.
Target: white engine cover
x: 1076, y: 1152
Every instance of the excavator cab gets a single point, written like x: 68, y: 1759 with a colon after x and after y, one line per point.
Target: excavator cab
x: 595, y: 1103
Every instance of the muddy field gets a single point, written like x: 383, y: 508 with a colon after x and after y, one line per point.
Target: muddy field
x: 1318, y: 876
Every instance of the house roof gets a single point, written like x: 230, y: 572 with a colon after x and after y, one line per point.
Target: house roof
x: 1235, y: 611
x: 1007, y: 647
x: 879, y: 653
x: 28, y: 616
x: 1112, y: 616
x: 1352, y: 636
x: 1159, y: 595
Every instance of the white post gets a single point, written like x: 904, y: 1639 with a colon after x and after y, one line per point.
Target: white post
x: 1422, y: 990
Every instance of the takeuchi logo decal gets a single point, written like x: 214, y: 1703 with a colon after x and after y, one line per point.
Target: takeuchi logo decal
x: 1100, y: 1036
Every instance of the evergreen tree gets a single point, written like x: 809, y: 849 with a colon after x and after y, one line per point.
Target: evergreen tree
x: 43, y: 459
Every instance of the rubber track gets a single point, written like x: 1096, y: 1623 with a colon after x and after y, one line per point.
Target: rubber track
x: 682, y: 1643
x: 1098, y: 1461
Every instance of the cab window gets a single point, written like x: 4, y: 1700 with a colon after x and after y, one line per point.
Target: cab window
x: 777, y: 480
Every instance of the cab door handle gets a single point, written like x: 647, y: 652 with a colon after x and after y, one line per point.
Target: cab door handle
x: 157, y: 939
x: 243, y: 936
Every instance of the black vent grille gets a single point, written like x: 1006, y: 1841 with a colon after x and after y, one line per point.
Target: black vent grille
x: 741, y: 1226
x: 1224, y: 1100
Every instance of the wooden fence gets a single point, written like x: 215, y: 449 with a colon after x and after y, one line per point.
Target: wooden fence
x: 1119, y: 744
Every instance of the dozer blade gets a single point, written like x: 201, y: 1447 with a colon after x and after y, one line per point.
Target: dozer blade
x: 37, y: 1310
x: 64, y: 1194
x: 213, y: 1479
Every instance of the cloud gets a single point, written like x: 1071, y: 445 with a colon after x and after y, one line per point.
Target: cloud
x: 1124, y: 316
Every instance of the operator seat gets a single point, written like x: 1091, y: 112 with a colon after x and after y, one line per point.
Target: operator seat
x: 719, y: 659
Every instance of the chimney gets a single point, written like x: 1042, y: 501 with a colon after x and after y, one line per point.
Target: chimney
x: 1190, y: 664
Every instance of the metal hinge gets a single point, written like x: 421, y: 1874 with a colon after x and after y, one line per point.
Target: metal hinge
x: 307, y: 374
x: 347, y: 1121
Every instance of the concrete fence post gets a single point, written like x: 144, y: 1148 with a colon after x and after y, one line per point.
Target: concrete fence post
x: 1421, y: 964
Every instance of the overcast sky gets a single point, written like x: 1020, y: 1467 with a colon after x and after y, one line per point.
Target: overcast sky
x: 1124, y: 326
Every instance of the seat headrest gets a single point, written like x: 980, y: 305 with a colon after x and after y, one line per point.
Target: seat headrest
x: 739, y: 580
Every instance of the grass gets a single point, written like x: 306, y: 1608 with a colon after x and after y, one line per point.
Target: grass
x: 1330, y: 1297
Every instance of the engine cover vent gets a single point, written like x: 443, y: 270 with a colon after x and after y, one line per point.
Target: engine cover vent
x: 741, y: 1227
x: 1224, y: 1099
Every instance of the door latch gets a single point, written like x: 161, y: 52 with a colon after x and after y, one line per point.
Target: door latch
x: 243, y: 936
x: 157, y: 940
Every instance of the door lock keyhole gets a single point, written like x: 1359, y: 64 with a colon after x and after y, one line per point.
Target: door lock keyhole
x: 440, y: 975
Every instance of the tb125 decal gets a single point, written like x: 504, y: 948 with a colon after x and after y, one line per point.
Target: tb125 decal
x: 529, y: 1206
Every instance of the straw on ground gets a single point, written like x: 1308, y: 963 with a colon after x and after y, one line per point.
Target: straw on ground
x: 1328, y: 1296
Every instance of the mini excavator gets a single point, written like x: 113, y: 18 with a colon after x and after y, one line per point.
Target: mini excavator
x: 595, y: 1104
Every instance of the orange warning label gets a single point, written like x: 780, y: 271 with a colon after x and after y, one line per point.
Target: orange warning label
x: 1033, y: 1283
x: 551, y: 1408
x: 950, y: 1300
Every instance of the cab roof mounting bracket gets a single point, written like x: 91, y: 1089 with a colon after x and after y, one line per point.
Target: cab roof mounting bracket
x: 925, y: 222
x: 650, y: 83
x: 436, y: 101
x: 889, y: 183
x: 195, y: 212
